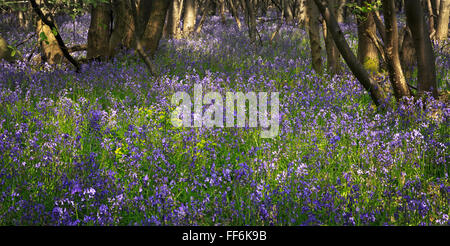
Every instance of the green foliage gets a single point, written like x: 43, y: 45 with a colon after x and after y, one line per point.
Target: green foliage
x: 43, y: 37
x: 366, y: 7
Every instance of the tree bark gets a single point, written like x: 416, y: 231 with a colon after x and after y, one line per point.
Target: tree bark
x: 99, y: 30
x: 340, y: 11
x: 431, y: 18
x: 50, y: 50
x: 330, y: 47
x: 367, y: 51
x: 442, y: 21
x: 376, y: 92
x: 422, y: 44
x: 251, y: 20
x: 48, y: 26
x: 153, y: 30
x: 173, y: 21
x: 407, y: 54
x: 234, y: 13
x: 392, y: 56
x: 199, y: 27
x: 301, y: 12
x: 287, y: 10
x: 123, y: 30
x: 189, y: 17
x: 314, y: 36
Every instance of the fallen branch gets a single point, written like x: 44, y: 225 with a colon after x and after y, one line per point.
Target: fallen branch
x: 78, y: 47
x: 24, y: 41
x: 58, y: 37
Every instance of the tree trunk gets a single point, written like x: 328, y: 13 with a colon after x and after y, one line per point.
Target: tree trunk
x: 189, y: 17
x: 50, y: 50
x: 301, y: 12
x: 222, y: 12
x: 340, y: 11
x: 407, y: 54
x: 376, y: 92
x: 251, y: 20
x: 331, y: 49
x: 314, y: 36
x: 234, y: 13
x: 443, y: 19
x: 392, y: 56
x: 123, y: 30
x: 287, y: 10
x: 431, y: 18
x: 99, y: 30
x: 153, y: 31
x: 367, y: 51
x: 199, y: 27
x: 173, y: 20
x: 424, y: 52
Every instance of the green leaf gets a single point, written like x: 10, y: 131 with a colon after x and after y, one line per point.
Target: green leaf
x: 54, y: 31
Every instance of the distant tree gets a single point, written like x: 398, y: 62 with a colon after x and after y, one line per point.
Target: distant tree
x: 153, y: 30
x: 287, y: 10
x: 333, y: 65
x: 376, y: 92
x: 123, y: 27
x: 314, y: 35
x: 189, y: 17
x: 250, y: 16
x: 234, y: 12
x: 392, y: 54
x: 367, y: 50
x: 443, y: 19
x: 173, y: 19
x: 426, y: 81
x: 99, y: 31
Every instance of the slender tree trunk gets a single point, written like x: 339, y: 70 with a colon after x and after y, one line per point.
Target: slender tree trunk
x: 442, y: 21
x: 376, y: 92
x: 123, y: 29
x: 367, y: 51
x: 222, y: 12
x: 380, y: 26
x: 98, y: 34
x: 173, y: 21
x: 431, y: 18
x: 234, y: 13
x: 435, y: 5
x: 407, y: 54
x: 331, y: 49
x: 314, y: 36
x: 301, y: 12
x: 422, y: 44
x: 251, y: 20
x: 153, y: 30
x: 189, y: 17
x: 287, y: 10
x: 393, y: 60
x: 340, y: 11
x: 202, y: 19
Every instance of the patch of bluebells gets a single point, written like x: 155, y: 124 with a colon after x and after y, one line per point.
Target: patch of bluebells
x: 97, y: 148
